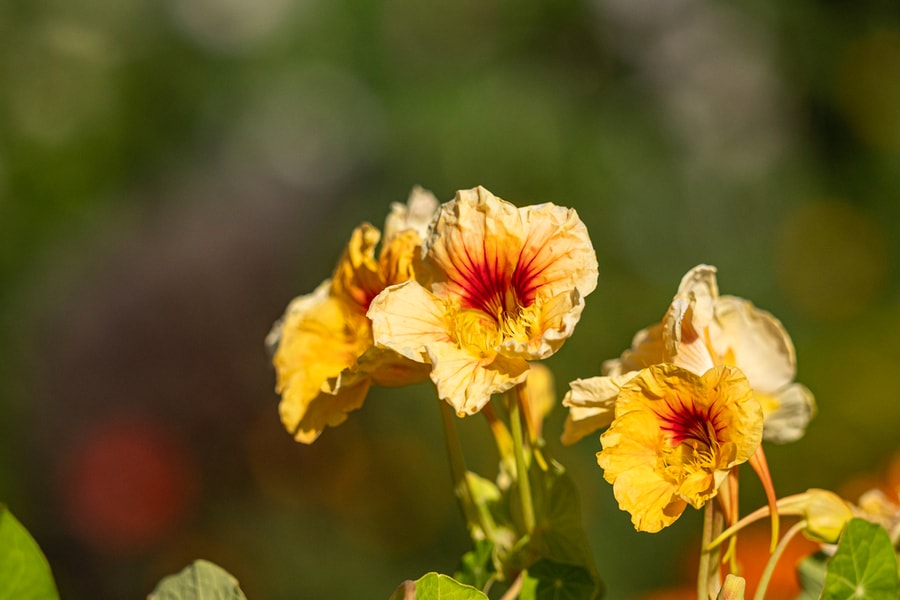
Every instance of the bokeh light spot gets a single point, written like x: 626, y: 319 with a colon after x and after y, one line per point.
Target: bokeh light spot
x: 868, y: 88
x: 127, y: 485
x: 832, y: 259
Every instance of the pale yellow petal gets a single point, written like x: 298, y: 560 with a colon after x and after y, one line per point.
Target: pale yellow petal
x: 466, y: 381
x: 700, y: 287
x: 591, y: 403
x: 761, y: 346
x: 387, y: 368
x: 795, y: 406
x: 688, y: 318
x: 407, y: 318
x: 416, y: 214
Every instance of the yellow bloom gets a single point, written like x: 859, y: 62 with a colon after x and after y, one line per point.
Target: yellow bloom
x: 675, y: 437
x: 323, y: 352
x: 501, y: 285
x: 700, y: 330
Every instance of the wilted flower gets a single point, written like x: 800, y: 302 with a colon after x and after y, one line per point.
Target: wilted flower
x: 501, y: 286
x: 700, y: 330
x: 323, y: 351
x: 675, y: 437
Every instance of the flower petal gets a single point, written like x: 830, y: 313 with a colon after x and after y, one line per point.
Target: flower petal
x: 324, y: 410
x: 787, y: 423
x: 467, y: 382
x: 416, y: 214
x: 591, y: 403
x: 318, y: 338
x: 358, y: 277
x: 675, y: 437
x: 407, y: 318
x: 761, y: 346
x: 647, y: 348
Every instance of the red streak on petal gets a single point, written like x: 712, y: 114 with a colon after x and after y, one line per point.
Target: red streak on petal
x: 686, y: 421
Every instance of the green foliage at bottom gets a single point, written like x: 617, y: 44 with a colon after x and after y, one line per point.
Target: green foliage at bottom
x: 864, y: 566
x: 24, y: 571
x: 434, y: 586
x: 201, y: 580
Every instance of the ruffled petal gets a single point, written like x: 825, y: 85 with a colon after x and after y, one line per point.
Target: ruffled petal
x: 325, y: 410
x: 467, y: 381
x: 317, y: 339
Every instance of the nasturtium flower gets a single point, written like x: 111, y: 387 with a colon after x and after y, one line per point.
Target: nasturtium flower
x: 323, y: 350
x: 700, y: 330
x: 674, y: 439
x: 500, y: 286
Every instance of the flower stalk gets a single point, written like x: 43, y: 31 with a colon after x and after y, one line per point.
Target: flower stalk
x: 516, y: 408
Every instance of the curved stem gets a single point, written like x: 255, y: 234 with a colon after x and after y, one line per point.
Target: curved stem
x: 773, y: 560
x: 524, y: 485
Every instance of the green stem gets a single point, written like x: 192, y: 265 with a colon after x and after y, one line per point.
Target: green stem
x: 524, y: 485
x: 458, y: 471
x: 707, y: 564
x: 773, y: 560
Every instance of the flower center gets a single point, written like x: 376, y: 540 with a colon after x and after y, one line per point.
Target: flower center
x: 476, y: 333
x: 686, y: 423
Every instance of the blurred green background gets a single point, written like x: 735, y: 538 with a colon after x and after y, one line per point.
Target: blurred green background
x: 172, y: 172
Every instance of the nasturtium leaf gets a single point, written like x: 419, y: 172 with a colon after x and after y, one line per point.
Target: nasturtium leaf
x: 548, y: 580
x: 864, y: 565
x: 201, y: 580
x: 434, y: 586
x: 24, y: 570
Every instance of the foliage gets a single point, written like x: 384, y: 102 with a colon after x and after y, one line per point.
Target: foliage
x: 864, y: 566
x: 201, y: 580
x: 24, y: 571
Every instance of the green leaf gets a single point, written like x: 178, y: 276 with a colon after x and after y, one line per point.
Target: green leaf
x: 811, y: 573
x: 202, y: 580
x: 24, y: 570
x: 436, y: 587
x: 559, y: 535
x: 477, y: 566
x: 549, y: 580
x: 864, y: 565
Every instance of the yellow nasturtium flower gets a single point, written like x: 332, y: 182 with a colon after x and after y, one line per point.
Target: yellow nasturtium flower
x: 323, y: 351
x: 702, y: 329
x: 501, y: 286
x: 675, y: 437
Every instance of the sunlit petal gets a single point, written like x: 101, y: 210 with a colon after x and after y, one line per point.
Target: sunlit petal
x: 758, y: 341
x: 591, y: 403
